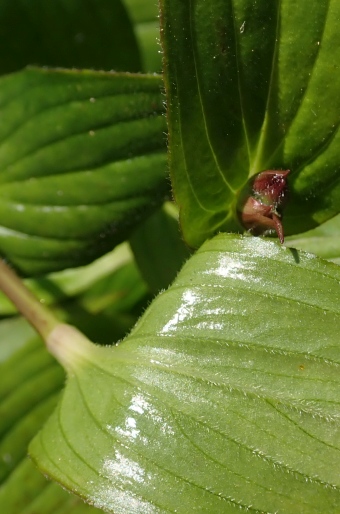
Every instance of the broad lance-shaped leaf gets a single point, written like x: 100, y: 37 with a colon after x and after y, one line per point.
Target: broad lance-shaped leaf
x: 226, y: 393
x: 82, y: 160
x: 251, y: 86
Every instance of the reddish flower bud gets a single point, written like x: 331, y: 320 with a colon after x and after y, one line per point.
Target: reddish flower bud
x: 260, y: 211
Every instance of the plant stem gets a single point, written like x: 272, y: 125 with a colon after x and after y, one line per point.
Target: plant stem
x: 27, y: 304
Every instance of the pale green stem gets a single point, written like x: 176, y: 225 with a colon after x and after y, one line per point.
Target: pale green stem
x: 69, y: 346
x: 26, y: 303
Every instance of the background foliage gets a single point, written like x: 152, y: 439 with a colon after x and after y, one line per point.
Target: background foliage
x: 84, y: 168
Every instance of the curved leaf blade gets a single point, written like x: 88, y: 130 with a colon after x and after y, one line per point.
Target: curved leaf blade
x: 226, y: 393
x: 251, y: 86
x: 83, y: 161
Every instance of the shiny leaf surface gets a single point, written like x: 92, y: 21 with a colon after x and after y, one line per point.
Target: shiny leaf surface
x: 252, y: 86
x: 31, y: 381
x: 225, y: 395
x: 82, y: 162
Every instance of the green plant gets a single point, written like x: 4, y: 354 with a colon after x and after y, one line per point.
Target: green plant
x: 224, y: 393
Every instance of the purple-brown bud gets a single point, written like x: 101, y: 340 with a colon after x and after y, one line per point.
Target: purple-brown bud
x: 260, y: 211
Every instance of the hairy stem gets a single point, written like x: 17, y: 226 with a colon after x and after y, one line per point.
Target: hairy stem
x: 68, y: 345
x: 27, y: 304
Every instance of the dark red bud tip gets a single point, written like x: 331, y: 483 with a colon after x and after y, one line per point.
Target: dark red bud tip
x: 270, y: 186
x: 260, y: 211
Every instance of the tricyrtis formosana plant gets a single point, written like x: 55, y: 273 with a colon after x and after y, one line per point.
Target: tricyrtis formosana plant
x: 222, y: 391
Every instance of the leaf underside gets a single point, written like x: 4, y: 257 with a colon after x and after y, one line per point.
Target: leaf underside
x: 226, y: 393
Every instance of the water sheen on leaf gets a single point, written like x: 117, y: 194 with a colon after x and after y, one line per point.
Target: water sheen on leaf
x: 251, y: 86
x: 224, y: 396
x: 82, y: 158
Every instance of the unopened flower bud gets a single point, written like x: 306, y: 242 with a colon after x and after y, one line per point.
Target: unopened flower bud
x: 261, y: 210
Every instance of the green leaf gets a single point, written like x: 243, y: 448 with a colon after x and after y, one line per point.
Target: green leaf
x: 14, y: 333
x: 225, y: 395
x: 29, y: 388
x: 82, y: 163
x: 31, y: 380
x: 323, y: 241
x: 60, y: 286
x: 67, y: 33
x: 252, y: 86
x: 110, y: 308
x: 144, y: 15
x: 159, y: 249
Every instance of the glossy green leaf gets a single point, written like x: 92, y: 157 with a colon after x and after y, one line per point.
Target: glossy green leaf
x: 82, y: 163
x: 31, y: 381
x: 323, y: 241
x: 29, y: 388
x: 67, y: 33
x: 224, y: 396
x: 252, y: 85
